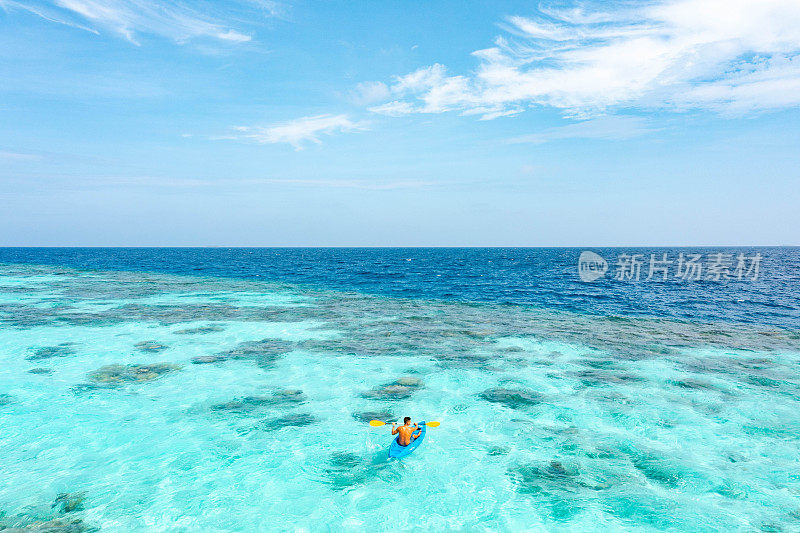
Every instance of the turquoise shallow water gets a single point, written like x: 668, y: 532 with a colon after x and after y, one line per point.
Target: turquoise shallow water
x: 134, y: 401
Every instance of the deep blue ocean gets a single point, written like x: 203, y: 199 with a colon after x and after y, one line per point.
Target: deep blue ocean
x: 541, y: 277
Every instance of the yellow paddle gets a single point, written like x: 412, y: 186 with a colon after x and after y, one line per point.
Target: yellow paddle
x: 378, y: 423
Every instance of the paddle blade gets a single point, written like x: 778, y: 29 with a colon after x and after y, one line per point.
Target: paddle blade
x: 432, y: 424
x: 376, y: 423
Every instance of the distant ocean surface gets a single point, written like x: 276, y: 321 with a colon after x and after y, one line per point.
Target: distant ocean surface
x: 541, y: 277
x: 231, y: 390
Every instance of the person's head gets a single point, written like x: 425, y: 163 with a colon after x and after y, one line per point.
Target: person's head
x: 406, y: 420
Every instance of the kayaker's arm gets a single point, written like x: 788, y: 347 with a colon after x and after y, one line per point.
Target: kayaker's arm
x: 395, y: 429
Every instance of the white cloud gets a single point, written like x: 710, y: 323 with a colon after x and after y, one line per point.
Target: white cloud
x: 300, y: 131
x: 370, y: 92
x: 233, y: 36
x: 727, y: 55
x: 770, y: 85
x: 393, y: 109
x: 178, y: 20
x: 45, y: 12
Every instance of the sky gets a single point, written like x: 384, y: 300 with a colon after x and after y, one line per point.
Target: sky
x: 398, y: 123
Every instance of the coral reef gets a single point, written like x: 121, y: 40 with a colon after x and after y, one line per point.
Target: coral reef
x: 68, y: 502
x: 65, y: 349
x: 399, y: 389
x: 150, y: 346
x: 199, y: 330
x: 118, y: 374
x: 512, y: 398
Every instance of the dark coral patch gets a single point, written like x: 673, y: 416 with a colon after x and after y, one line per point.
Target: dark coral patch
x: 294, y: 420
x: 150, y: 346
x: 696, y: 384
x: 251, y: 404
x: 68, y: 502
x: 597, y: 377
x: 346, y: 470
x: 658, y: 469
x: 199, y: 330
x: 119, y: 374
x: 208, y: 359
x: 497, y: 450
x: 264, y: 353
x: 399, y: 389
x: 555, y: 485
x: 345, y: 460
x: 29, y: 524
x: 512, y: 398
x: 382, y: 415
x: 65, y: 349
x: 534, y: 479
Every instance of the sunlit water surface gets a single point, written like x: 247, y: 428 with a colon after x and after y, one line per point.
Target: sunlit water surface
x: 175, y: 403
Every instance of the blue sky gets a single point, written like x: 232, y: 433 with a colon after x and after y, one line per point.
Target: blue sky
x: 259, y: 123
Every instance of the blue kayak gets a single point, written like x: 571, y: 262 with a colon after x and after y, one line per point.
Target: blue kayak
x: 398, y: 452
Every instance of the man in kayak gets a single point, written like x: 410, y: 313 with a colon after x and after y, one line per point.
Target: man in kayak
x: 406, y: 431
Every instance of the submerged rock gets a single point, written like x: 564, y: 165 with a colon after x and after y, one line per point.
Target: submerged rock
x: 248, y: 404
x: 264, y: 352
x: 150, y: 346
x: 409, y: 381
x: 354, y: 344
x: 59, y: 525
x: 392, y: 392
x: 208, y: 359
x: 497, y: 450
x: 696, y: 384
x: 199, y: 330
x: 512, y: 398
x: 480, y: 333
x: 40, y: 370
x: 68, y: 502
x: 601, y: 364
x: 399, y: 389
x: 462, y: 358
x: 554, y: 478
x: 383, y: 416
x: 346, y: 470
x: 597, y: 377
x: 345, y: 460
x: 656, y: 468
x: 90, y: 387
x: 512, y: 349
x: 265, y: 347
x: 288, y: 396
x: 65, y: 349
x: 116, y: 374
x: 731, y: 489
x: 243, y: 405
x: 6, y: 399
x: 294, y: 420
